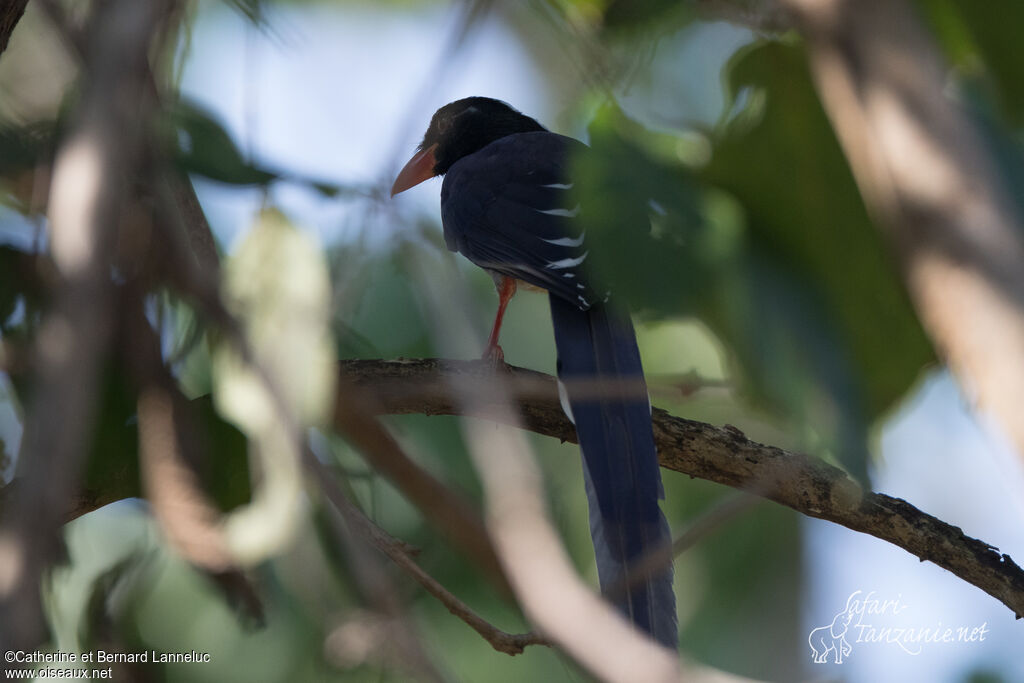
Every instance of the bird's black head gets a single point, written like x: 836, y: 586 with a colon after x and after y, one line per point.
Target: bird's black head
x: 458, y: 129
x: 465, y: 126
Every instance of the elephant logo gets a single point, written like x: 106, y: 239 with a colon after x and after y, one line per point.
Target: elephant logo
x: 832, y: 638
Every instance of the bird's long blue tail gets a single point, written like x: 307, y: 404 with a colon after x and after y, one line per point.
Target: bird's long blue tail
x: 599, y: 365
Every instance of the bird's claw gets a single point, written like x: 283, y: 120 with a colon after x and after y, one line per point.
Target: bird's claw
x: 494, y: 355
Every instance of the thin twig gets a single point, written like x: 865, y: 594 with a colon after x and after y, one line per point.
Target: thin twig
x: 445, y: 509
x: 700, y: 528
x: 509, y: 643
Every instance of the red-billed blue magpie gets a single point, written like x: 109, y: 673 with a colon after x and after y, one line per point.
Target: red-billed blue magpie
x: 507, y: 204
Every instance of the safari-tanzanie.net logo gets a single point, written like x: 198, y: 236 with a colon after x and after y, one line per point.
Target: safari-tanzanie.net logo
x: 871, y: 620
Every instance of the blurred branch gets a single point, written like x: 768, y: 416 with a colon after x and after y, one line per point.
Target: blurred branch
x: 173, y: 186
x: 72, y: 36
x: 924, y: 172
x: 168, y: 440
x: 10, y: 15
x: 92, y: 166
x: 703, y: 526
x: 171, y: 446
x: 719, y: 454
x: 544, y: 581
x: 546, y: 584
x: 353, y: 536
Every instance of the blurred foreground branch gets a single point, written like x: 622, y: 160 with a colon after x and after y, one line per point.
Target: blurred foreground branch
x: 545, y: 583
x: 10, y: 14
x: 925, y: 174
x: 99, y: 155
x: 719, y: 454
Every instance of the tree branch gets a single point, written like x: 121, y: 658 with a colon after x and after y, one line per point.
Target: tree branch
x: 451, y: 514
x: 719, y: 454
x: 101, y: 151
x: 397, y: 552
x: 10, y: 15
x: 925, y: 175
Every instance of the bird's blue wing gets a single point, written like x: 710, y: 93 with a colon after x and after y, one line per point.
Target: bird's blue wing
x: 516, y: 213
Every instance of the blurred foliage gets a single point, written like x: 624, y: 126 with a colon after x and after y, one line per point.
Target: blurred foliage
x: 749, y: 234
x: 769, y: 244
x: 112, y: 469
x: 203, y: 147
x: 985, y: 33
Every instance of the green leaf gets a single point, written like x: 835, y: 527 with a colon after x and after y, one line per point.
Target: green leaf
x: 768, y: 243
x: 805, y: 213
x: 991, y: 31
x: 654, y: 259
x: 204, y: 147
x: 112, y: 469
x: 628, y: 14
x: 22, y: 147
x: 224, y: 472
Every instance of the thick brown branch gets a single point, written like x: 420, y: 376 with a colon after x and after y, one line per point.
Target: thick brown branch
x: 719, y: 454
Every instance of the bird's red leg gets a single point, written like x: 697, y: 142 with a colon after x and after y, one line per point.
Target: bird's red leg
x: 506, y: 290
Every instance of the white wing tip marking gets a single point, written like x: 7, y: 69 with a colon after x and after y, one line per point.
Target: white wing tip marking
x: 567, y: 241
x: 562, y: 212
x: 563, y: 398
x: 567, y: 262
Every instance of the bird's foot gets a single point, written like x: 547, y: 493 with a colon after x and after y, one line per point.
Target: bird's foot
x: 494, y: 355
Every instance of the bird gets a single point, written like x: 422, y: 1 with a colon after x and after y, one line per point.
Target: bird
x: 508, y: 204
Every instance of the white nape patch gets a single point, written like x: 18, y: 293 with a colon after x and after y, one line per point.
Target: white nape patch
x: 567, y: 262
x: 559, y: 186
x: 562, y: 212
x: 563, y: 398
x: 567, y: 241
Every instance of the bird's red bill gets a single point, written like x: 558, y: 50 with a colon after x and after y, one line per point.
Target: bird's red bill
x: 419, y: 168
